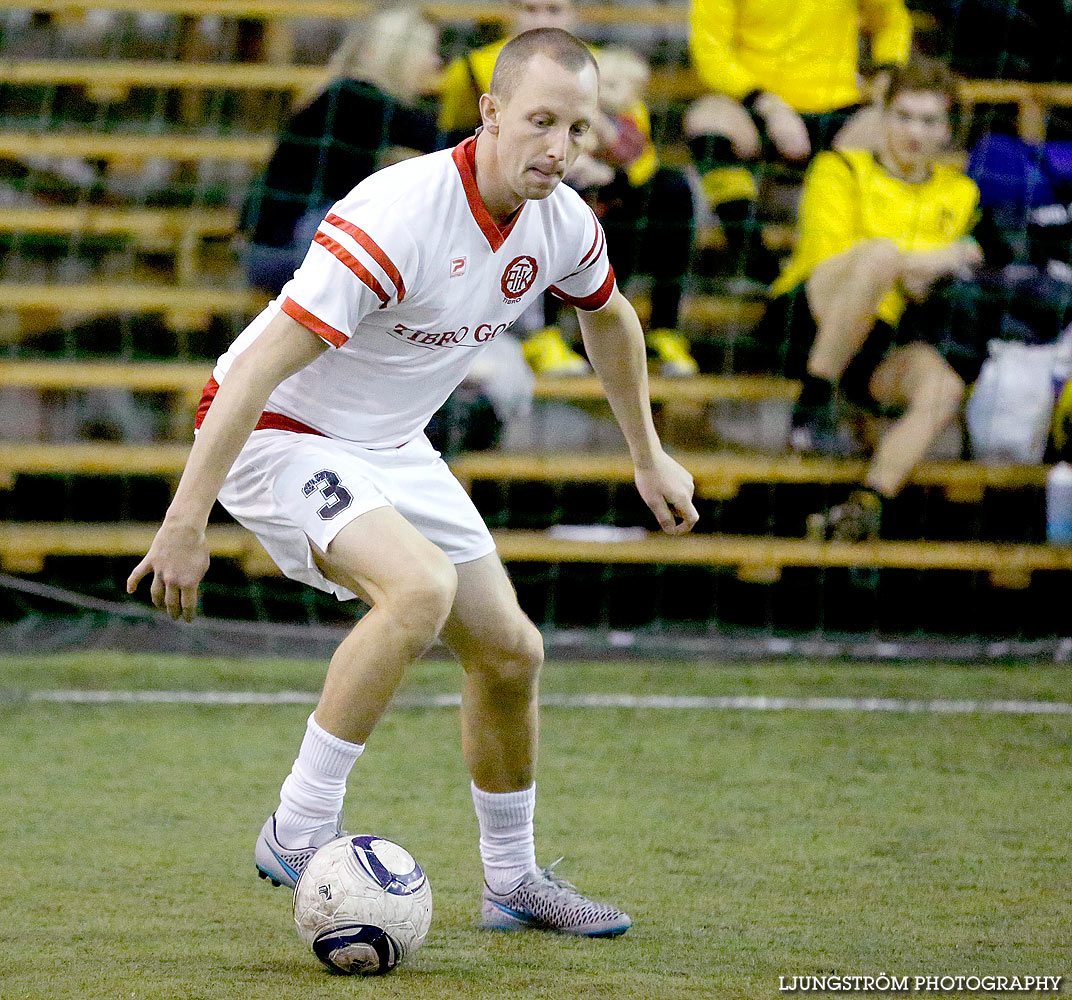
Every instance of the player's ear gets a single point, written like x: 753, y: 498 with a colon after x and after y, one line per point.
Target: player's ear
x: 489, y: 113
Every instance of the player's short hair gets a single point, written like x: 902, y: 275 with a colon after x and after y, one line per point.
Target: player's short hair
x: 558, y: 45
x: 922, y: 75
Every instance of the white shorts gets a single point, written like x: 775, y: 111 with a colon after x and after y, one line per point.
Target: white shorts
x: 288, y: 487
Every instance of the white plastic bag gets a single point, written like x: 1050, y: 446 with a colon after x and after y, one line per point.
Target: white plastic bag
x: 1009, y: 411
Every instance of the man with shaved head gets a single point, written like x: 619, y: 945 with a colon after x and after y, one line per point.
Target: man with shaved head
x: 646, y: 208
x: 311, y: 433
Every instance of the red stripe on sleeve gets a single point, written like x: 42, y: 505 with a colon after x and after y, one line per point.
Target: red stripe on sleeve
x: 595, y: 241
x: 338, y: 250
x: 296, y: 312
x: 595, y: 260
x: 597, y: 300
x: 373, y: 249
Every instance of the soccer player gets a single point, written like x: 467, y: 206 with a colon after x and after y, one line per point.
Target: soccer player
x: 311, y: 435
x: 876, y: 232
x: 647, y: 208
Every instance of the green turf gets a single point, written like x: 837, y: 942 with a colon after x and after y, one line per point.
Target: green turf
x: 746, y: 845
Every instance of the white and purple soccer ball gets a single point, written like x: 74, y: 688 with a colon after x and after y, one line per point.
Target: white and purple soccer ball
x: 362, y: 904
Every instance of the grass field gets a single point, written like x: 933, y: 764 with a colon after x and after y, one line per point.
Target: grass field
x: 746, y: 845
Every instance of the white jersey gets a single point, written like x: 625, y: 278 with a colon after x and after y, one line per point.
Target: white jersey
x: 408, y: 278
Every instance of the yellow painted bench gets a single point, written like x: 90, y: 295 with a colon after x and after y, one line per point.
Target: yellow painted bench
x: 184, y: 306
x: 24, y: 547
x: 186, y: 380
x: 188, y: 305
x: 109, y: 79
x: 172, y: 230
x: 718, y: 475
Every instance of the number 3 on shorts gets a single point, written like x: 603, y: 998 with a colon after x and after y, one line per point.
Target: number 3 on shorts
x: 338, y: 498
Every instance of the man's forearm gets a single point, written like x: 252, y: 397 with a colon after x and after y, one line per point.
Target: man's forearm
x: 614, y: 342
x: 227, y: 425
x: 284, y: 348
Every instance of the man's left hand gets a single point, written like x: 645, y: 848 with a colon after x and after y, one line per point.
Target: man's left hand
x: 667, y: 488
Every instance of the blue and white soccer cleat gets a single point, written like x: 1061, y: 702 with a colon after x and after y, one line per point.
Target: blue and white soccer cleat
x: 284, y: 865
x: 547, y: 902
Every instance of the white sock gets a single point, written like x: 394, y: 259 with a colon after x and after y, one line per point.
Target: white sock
x: 507, y: 840
x: 312, y: 793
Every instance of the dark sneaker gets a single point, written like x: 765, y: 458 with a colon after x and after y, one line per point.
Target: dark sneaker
x: 858, y: 519
x: 815, y: 430
x: 547, y: 902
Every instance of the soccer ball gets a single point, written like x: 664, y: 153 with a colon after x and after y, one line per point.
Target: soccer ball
x: 362, y: 904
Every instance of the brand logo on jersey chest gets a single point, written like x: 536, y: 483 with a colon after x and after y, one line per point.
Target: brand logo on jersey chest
x: 518, y: 277
x: 457, y: 267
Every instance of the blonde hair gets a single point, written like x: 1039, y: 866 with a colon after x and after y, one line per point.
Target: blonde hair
x: 622, y: 69
x: 379, y: 50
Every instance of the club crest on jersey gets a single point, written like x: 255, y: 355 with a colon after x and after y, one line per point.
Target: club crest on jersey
x: 518, y: 277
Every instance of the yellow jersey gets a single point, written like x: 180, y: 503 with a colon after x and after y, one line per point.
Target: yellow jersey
x: 805, y: 51
x: 849, y: 196
x: 469, y: 76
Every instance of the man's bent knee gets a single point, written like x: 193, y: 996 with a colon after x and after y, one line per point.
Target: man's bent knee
x: 514, y: 659
x: 878, y: 258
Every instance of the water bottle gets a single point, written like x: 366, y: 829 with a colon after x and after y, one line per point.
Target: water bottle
x: 1059, y: 504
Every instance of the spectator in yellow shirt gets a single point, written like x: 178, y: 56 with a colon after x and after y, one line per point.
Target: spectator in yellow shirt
x: 646, y: 210
x: 876, y: 232
x: 784, y: 79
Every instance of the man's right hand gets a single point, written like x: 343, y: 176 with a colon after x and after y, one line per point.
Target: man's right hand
x: 178, y: 559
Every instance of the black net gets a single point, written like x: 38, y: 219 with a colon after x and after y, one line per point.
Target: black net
x: 161, y: 174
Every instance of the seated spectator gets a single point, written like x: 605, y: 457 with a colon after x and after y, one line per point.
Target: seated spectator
x: 646, y: 210
x: 784, y: 80
x: 642, y: 207
x: 364, y: 118
x: 877, y: 232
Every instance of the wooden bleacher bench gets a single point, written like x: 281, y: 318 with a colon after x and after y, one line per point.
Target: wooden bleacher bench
x: 188, y: 378
x: 131, y: 146
x: 762, y: 559
x: 183, y: 378
x: 284, y: 10
x: 267, y: 10
x: 174, y: 230
x: 698, y: 389
x: 183, y: 306
x: 185, y: 381
x: 111, y: 78
x: 24, y: 547
x: 718, y: 475
x: 190, y: 305
x: 90, y: 458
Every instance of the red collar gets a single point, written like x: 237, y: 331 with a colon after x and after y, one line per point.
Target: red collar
x: 465, y: 160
